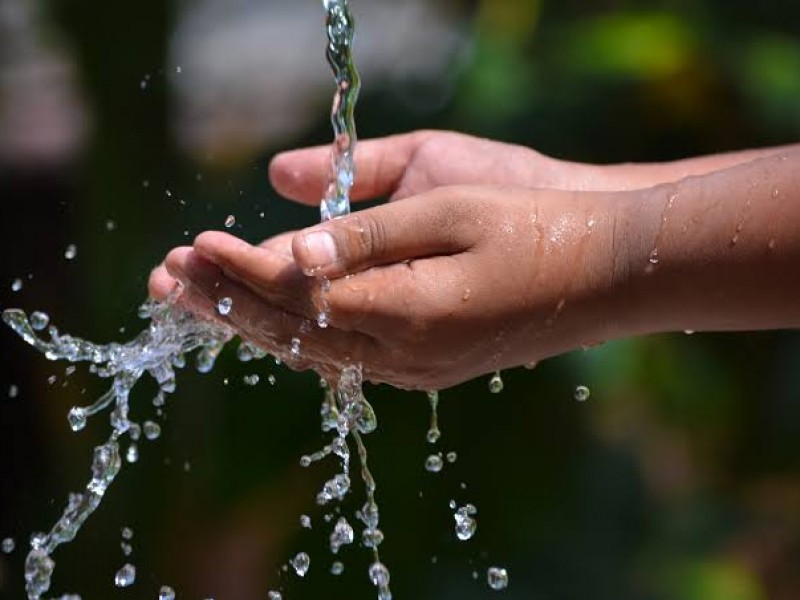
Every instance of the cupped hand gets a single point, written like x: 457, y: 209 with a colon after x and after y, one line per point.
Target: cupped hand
x: 424, y: 293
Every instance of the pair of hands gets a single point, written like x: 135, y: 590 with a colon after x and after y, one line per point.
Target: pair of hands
x: 470, y: 268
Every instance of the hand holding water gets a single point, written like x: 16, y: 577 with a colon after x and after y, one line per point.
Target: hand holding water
x: 458, y: 280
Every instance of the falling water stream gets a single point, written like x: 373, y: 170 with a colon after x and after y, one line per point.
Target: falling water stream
x: 172, y: 333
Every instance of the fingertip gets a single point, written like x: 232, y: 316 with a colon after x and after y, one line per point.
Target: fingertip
x: 297, y: 175
x: 161, y: 283
x: 209, y: 243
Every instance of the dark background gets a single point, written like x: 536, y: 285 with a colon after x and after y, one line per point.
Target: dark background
x: 678, y: 480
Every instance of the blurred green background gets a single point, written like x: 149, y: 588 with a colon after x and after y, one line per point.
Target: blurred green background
x: 678, y: 480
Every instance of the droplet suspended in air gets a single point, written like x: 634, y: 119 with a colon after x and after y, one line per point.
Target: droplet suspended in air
x: 273, y: 595
x: 465, y: 523
x: 379, y: 574
x: 582, y: 393
x: 230, y: 221
x: 126, y: 576
x: 77, y: 418
x: 434, y: 463
x: 39, y: 320
x: 71, y: 252
x: 497, y: 578
x: 452, y: 457
x: 301, y: 563
x: 305, y: 521
x: 251, y: 379
x: 166, y: 593
x: 224, y: 306
x: 337, y: 568
x: 8, y: 545
x: 496, y: 383
x: 152, y: 430
x: 16, y: 285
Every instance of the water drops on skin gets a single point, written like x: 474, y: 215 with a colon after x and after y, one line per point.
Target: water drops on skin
x: 224, y: 306
x: 582, y: 393
x: 295, y: 348
x: 166, y: 593
x: 230, y: 221
x: 126, y: 576
x: 434, y: 463
x: 300, y: 563
x: 8, y: 545
x: 497, y: 578
x: 496, y: 383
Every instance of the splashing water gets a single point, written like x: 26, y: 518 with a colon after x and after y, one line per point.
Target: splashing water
x: 157, y: 351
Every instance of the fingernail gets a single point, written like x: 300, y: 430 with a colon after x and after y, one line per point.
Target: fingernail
x: 321, y: 248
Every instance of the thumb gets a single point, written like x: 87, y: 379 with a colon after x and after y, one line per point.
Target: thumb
x: 435, y: 223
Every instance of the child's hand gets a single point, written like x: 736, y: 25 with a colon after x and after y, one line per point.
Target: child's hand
x: 425, y: 293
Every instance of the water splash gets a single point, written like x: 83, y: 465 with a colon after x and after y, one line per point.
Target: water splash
x: 157, y: 351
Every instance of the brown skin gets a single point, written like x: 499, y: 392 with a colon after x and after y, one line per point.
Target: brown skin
x: 478, y: 268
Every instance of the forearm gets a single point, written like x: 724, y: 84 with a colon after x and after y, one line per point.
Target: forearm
x: 633, y: 176
x: 715, y: 252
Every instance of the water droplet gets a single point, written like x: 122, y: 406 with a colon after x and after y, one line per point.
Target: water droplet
x: 126, y: 576
x: 322, y: 319
x: 230, y: 221
x: 337, y: 568
x: 433, y: 436
x: 653, y: 258
x: 452, y: 457
x: 305, y: 461
x: 341, y: 535
x: 465, y: 523
x: 132, y: 455
x: 301, y: 563
x: 379, y: 574
x: 271, y: 379
x: 497, y: 578
x: 251, y: 379
x: 273, y: 595
x: 372, y: 537
x: 8, y: 545
x: 582, y: 393
x: 166, y: 593
x: 295, y: 351
x: 434, y: 463
x: 110, y: 225
x: 496, y: 383
x: 13, y: 391
x: 77, y: 418
x: 224, y: 306
x: 775, y: 193
x: 531, y: 365
x: 688, y: 331
x: 16, y: 285
x: 152, y: 430
x: 71, y: 252
x: 305, y: 521
x: 39, y: 320
x: 178, y: 69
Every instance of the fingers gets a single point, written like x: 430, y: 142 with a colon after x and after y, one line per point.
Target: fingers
x: 302, y: 175
x: 440, y: 222
x: 266, y: 325
x: 161, y: 283
x: 272, y: 275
